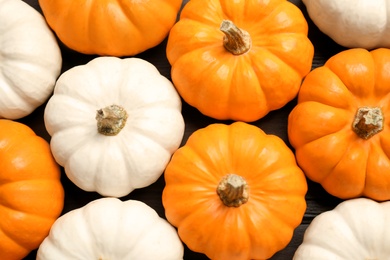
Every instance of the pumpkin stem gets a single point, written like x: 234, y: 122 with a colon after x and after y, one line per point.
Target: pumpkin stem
x: 111, y: 120
x: 233, y: 190
x: 235, y: 40
x: 368, y: 122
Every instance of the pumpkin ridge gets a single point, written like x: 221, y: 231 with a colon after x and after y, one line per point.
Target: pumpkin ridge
x: 345, y: 98
x: 17, y: 89
x: 34, y: 186
x: 18, y: 238
x: 281, y: 28
x: 204, y: 175
x: 86, y: 109
x: 214, y: 173
x: 88, y: 18
x: 355, y: 72
x: 47, y: 218
x: 203, y: 236
x: 316, y: 127
x: 132, y: 18
x: 261, y: 83
x: 292, y: 62
x: 79, y: 141
x: 335, y: 219
x: 151, y: 135
x: 304, y: 146
x: 276, y: 226
x: 128, y: 154
x: 383, y: 143
x: 335, y: 172
x: 9, y: 241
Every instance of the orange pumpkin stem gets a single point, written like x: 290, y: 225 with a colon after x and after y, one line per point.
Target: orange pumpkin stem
x: 233, y: 190
x: 111, y: 120
x: 368, y: 122
x: 235, y: 40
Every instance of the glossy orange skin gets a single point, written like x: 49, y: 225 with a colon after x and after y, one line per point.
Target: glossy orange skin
x: 320, y: 126
x: 111, y: 27
x: 254, y: 230
x: 31, y: 194
x: 240, y: 87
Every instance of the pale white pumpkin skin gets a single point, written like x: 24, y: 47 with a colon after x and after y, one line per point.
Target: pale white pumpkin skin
x: 352, y: 23
x: 109, y: 228
x: 137, y: 156
x: 357, y: 229
x: 30, y: 59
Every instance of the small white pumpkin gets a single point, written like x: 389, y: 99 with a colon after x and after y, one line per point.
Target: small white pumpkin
x: 352, y: 23
x: 357, y: 229
x: 109, y: 228
x: 30, y: 59
x: 114, y: 124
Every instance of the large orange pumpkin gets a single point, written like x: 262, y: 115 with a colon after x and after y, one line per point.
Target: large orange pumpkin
x: 239, y: 59
x: 234, y: 192
x: 31, y: 194
x: 340, y: 126
x: 110, y: 27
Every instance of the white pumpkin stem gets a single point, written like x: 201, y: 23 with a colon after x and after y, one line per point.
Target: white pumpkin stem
x: 111, y: 120
x: 368, y: 122
x: 235, y: 40
x: 233, y: 190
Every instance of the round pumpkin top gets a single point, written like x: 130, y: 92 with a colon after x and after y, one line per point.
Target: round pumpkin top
x: 234, y: 192
x: 340, y: 126
x: 114, y: 124
x: 239, y: 60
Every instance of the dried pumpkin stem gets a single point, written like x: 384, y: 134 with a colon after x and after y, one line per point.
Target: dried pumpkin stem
x: 235, y: 40
x: 111, y: 120
x: 368, y: 122
x: 233, y: 190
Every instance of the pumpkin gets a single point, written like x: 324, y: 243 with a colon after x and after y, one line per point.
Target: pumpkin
x: 108, y: 228
x: 114, y: 124
x: 106, y: 27
x: 339, y: 128
x: 234, y: 192
x: 352, y: 23
x: 31, y: 194
x: 30, y: 59
x: 355, y: 229
x: 241, y: 59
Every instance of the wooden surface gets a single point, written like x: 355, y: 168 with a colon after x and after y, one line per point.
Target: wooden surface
x: 274, y: 123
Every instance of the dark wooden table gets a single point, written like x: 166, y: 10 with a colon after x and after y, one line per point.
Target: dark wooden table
x: 274, y: 123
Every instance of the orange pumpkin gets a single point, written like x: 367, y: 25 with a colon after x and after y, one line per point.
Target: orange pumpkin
x: 234, y: 192
x: 31, y: 194
x: 239, y: 59
x: 340, y: 126
x: 108, y: 27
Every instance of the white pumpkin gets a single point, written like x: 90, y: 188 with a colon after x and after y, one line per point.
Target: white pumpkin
x: 30, y: 59
x: 352, y: 23
x: 357, y: 229
x: 109, y: 228
x: 114, y: 124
